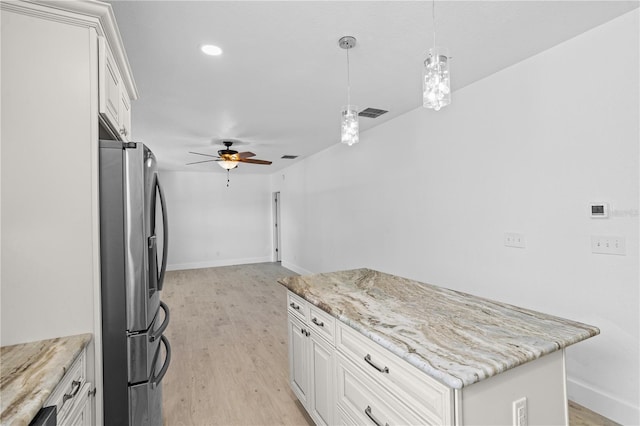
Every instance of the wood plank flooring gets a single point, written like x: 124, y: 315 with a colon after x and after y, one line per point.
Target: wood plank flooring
x: 229, y: 362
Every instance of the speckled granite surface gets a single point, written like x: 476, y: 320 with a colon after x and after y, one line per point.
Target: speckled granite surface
x: 30, y: 371
x: 456, y: 338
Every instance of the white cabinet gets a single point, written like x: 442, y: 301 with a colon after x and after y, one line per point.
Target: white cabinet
x: 321, y: 368
x: 343, y: 377
x: 73, y: 395
x: 430, y: 400
x: 81, y: 415
x: 114, y: 101
x: 371, y: 377
x: 311, y: 359
x: 50, y: 124
x: 125, y: 116
x: 299, y: 360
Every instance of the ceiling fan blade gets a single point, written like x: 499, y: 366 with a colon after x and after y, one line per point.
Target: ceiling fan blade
x: 198, y: 162
x: 251, y: 161
x: 246, y: 154
x: 206, y: 155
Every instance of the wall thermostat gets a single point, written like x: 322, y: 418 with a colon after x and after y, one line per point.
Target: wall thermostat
x: 599, y: 210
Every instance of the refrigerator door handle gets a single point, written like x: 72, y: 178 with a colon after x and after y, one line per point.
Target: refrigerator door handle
x: 165, y: 323
x: 165, y: 236
x: 155, y: 381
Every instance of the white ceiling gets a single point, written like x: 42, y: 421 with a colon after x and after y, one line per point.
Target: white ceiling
x: 281, y: 81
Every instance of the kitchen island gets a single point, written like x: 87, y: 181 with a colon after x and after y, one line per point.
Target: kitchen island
x: 425, y: 354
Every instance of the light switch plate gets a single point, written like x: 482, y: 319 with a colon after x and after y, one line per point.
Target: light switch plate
x: 512, y: 239
x: 608, y: 245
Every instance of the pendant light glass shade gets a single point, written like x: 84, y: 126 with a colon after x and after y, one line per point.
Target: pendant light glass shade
x: 228, y: 165
x: 436, y: 85
x: 350, y: 129
x: 350, y: 125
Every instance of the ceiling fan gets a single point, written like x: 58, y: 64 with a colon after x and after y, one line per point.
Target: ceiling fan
x: 228, y: 158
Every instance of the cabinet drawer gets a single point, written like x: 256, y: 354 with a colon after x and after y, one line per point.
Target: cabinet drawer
x: 322, y: 322
x: 343, y: 419
x: 80, y: 414
x: 368, y: 403
x: 298, y: 307
x: 424, y: 395
x: 68, y: 390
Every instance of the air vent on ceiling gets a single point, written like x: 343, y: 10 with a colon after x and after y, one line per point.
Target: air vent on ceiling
x: 289, y: 157
x: 372, y: 112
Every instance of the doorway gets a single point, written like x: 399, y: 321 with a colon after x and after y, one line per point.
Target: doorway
x: 277, y: 251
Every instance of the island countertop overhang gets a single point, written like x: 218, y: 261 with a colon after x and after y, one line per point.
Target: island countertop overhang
x: 454, y: 337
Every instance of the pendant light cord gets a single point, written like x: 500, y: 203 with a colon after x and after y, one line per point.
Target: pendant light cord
x: 433, y: 21
x: 348, y: 81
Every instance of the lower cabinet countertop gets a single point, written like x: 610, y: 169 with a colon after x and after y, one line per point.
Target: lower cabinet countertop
x: 456, y: 338
x: 30, y: 371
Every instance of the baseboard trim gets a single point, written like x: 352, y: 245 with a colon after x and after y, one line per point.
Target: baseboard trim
x: 216, y: 263
x: 295, y: 268
x: 605, y: 404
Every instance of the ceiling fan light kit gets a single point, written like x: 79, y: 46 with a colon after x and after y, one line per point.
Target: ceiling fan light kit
x: 228, y: 165
x: 436, y: 83
x: 228, y: 158
x: 350, y: 128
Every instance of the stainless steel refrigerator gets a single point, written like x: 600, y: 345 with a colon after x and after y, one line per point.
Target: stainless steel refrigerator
x: 133, y: 245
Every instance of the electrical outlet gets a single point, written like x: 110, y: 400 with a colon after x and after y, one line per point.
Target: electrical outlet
x: 520, y: 416
x: 608, y: 245
x: 512, y: 239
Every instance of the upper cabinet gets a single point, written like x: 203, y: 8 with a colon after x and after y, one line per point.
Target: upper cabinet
x: 65, y: 78
x: 115, y: 103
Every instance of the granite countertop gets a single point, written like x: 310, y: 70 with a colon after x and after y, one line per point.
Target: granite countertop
x: 30, y: 371
x: 454, y: 337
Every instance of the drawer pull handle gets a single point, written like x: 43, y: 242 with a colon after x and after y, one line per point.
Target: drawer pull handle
x: 294, y: 306
x: 315, y: 321
x: 67, y: 396
x: 377, y: 422
x: 382, y: 370
x: 305, y: 332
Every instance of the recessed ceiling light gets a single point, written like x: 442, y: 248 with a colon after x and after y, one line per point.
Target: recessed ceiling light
x: 211, y: 50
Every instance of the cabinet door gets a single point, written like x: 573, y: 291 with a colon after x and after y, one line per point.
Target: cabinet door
x: 124, y: 127
x: 321, y: 365
x: 109, y: 86
x: 299, y: 377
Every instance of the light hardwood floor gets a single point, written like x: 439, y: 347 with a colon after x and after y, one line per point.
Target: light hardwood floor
x: 229, y: 362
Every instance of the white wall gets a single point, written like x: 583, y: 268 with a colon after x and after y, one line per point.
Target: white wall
x: 212, y: 225
x: 429, y: 195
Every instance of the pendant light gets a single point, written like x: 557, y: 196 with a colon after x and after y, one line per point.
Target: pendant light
x: 350, y: 126
x: 436, y: 84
